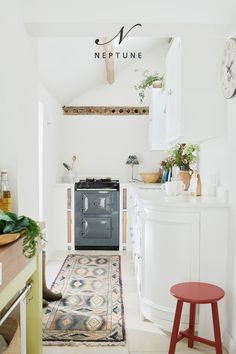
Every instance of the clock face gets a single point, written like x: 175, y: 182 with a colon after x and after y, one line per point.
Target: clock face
x: 228, y: 69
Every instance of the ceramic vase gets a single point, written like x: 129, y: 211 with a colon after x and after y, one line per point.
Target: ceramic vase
x: 185, y: 177
x: 70, y: 177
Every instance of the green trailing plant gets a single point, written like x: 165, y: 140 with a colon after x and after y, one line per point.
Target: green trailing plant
x: 147, y: 82
x: 11, y: 223
x: 183, y: 155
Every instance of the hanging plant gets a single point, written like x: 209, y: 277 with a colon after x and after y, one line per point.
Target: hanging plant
x: 148, y: 82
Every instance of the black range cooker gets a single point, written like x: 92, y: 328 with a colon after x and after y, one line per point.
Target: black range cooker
x: 97, y: 214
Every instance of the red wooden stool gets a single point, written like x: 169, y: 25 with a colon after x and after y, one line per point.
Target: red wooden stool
x: 195, y: 293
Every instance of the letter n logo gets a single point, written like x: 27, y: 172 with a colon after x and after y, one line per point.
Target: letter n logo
x: 121, y: 35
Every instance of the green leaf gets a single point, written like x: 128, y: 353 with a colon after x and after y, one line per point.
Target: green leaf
x: 9, y: 228
x: 13, y: 216
x: 66, y: 166
x: 5, y: 217
x: 32, y: 233
x: 2, y: 224
x: 23, y: 222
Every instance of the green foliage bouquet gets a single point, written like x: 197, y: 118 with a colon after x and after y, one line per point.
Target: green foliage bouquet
x: 184, y: 155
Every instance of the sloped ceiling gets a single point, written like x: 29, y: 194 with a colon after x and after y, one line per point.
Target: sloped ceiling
x: 67, y: 66
x: 105, y: 11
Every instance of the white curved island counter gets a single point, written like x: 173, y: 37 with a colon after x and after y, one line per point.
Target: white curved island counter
x: 173, y: 240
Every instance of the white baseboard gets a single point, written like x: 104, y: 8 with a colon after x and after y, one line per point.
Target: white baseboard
x: 229, y: 343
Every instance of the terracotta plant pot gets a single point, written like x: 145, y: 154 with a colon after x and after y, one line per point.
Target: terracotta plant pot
x: 185, y: 177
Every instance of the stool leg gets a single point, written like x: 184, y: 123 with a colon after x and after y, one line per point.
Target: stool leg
x: 192, y: 316
x: 216, y: 324
x: 175, y: 330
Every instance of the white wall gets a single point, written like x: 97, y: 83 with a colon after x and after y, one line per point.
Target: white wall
x: 103, y: 143
x: 214, y: 162
x: 122, y: 91
x: 231, y: 171
x: 218, y: 157
x: 52, y: 113
x: 18, y: 108
x: 232, y: 242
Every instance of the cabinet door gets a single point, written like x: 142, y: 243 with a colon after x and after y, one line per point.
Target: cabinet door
x: 124, y: 236
x: 157, y: 120
x: 173, y: 91
x: 170, y: 255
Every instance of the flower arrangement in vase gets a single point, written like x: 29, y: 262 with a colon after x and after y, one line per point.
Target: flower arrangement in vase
x: 184, y: 156
x: 69, y: 169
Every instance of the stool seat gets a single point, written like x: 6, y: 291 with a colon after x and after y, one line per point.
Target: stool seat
x: 197, y: 292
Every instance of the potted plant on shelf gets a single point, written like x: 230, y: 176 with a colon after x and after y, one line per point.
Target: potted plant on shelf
x: 184, y: 156
x: 150, y: 80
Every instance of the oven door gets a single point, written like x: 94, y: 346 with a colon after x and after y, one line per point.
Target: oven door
x: 96, y: 219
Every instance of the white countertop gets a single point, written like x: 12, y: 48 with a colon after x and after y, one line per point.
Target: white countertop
x: 142, y: 184
x: 151, y: 195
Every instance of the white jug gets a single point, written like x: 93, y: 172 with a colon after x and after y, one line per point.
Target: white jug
x: 173, y: 187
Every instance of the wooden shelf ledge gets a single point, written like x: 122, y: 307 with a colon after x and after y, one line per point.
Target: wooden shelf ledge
x: 106, y: 110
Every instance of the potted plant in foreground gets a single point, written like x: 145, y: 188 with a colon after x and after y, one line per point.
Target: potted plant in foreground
x: 150, y: 80
x: 183, y: 156
x: 16, y: 226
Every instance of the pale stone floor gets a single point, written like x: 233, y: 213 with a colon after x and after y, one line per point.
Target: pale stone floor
x: 143, y: 337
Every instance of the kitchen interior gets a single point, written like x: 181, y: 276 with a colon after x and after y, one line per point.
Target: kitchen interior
x: 130, y: 157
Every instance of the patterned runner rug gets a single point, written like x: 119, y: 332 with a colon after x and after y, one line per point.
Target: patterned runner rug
x: 91, y: 309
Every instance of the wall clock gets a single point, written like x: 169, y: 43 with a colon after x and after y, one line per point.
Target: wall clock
x: 228, y: 69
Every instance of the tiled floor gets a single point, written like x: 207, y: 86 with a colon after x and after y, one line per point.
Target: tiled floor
x: 143, y: 337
